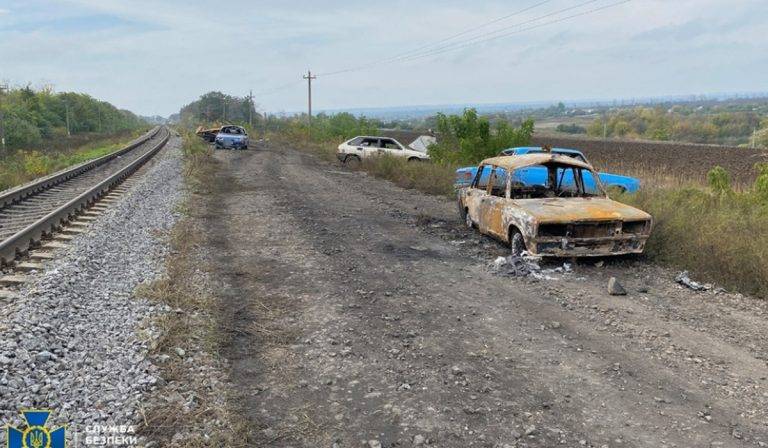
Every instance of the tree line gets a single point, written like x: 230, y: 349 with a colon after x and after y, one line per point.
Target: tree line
x: 680, y: 123
x: 30, y: 117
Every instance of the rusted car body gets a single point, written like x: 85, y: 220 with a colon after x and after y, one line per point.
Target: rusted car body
x: 567, y: 215
x: 209, y: 135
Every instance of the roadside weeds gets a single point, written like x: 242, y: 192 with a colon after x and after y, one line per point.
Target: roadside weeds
x: 25, y: 165
x: 190, y: 408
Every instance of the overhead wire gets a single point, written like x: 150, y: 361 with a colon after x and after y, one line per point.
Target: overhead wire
x: 443, y: 40
x: 493, y: 35
x: 451, y: 44
x: 510, y: 33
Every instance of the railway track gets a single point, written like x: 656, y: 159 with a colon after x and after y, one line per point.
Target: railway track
x: 36, y: 210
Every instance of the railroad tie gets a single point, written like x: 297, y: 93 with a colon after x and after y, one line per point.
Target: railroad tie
x: 73, y: 230
x: 42, y: 256
x: 24, y: 211
x: 54, y: 245
x: 8, y: 295
x: 27, y: 266
x: 13, y: 280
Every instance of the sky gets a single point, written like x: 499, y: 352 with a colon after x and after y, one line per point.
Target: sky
x: 153, y: 57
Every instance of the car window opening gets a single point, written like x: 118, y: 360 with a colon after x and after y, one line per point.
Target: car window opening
x: 554, y: 181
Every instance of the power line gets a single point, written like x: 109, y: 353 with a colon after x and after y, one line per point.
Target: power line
x: 446, y: 39
x: 493, y: 35
x: 507, y: 34
x: 278, y: 88
x: 482, y: 37
x: 417, y: 53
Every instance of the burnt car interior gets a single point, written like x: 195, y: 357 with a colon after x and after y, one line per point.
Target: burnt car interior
x: 233, y: 130
x: 551, y: 180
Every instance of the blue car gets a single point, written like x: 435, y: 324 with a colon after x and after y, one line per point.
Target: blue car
x: 536, y: 176
x: 233, y: 137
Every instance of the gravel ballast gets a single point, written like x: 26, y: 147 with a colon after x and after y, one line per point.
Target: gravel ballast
x: 76, y: 341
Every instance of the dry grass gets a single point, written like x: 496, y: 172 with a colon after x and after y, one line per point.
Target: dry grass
x: 210, y: 422
x: 722, y: 238
x: 431, y: 178
x: 23, y: 166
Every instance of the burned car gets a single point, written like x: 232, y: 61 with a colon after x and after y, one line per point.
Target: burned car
x: 563, y: 214
x: 209, y: 135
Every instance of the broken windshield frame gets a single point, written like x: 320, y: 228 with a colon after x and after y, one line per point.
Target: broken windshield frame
x: 554, y: 180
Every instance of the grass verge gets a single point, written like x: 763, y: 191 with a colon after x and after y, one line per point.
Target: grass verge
x: 428, y: 177
x: 190, y: 408
x: 719, y: 235
x: 23, y: 166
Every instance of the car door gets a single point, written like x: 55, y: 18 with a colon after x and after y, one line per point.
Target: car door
x: 368, y: 147
x: 392, y: 147
x: 492, y: 204
x: 476, y: 193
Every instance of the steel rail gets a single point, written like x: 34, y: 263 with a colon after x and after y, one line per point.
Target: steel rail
x: 21, y: 241
x: 15, y: 195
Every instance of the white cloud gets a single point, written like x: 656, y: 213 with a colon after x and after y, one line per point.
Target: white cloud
x: 165, y: 54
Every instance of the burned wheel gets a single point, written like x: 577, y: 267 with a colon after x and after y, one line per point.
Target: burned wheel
x: 352, y: 162
x: 516, y: 243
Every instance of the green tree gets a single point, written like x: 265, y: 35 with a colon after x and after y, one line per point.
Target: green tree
x: 469, y: 138
x: 719, y: 180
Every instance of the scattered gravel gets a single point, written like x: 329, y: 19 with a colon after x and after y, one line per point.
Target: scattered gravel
x: 76, y: 341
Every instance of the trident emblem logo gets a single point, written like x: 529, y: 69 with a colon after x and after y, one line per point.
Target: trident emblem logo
x: 36, y: 435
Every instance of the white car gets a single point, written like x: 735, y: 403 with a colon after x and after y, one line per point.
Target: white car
x: 353, y: 151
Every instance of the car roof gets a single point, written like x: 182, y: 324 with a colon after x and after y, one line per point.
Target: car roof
x: 527, y: 149
x: 523, y: 160
x: 374, y: 136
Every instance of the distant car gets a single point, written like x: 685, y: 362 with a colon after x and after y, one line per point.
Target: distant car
x: 233, y: 137
x: 567, y: 213
x: 353, y: 151
x: 615, y: 182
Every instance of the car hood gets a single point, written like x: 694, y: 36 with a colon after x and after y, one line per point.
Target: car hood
x: 561, y: 210
x: 231, y: 136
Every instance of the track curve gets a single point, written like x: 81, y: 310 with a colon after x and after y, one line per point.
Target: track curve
x: 33, y: 210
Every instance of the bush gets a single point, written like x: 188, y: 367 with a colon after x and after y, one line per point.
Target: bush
x: 572, y: 128
x: 467, y: 139
x: 718, y: 236
x: 719, y: 180
x: 427, y: 177
x: 23, y: 166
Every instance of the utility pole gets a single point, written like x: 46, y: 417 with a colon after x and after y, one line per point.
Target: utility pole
x: 66, y: 112
x: 250, y: 109
x: 309, y: 79
x: 224, y: 110
x: 754, y: 138
x: 3, y: 89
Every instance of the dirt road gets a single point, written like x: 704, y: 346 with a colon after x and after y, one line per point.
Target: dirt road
x: 363, y: 315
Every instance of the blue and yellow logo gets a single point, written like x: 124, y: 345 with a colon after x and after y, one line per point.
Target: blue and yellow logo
x: 36, y: 435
